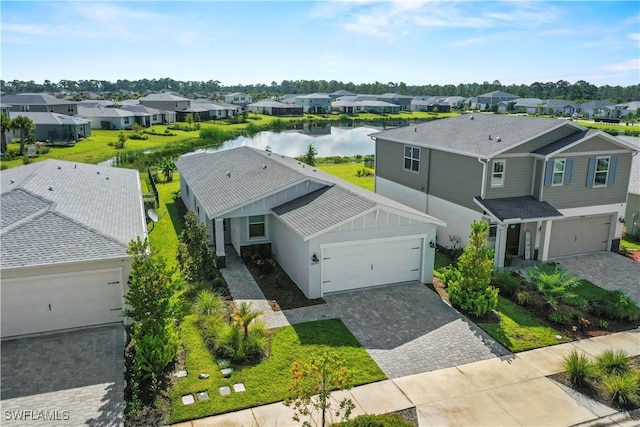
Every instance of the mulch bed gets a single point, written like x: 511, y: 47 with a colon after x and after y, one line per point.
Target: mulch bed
x: 278, y: 288
x: 592, y: 390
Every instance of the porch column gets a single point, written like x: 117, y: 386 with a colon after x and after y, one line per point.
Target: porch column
x: 219, y: 233
x: 501, y: 245
x: 546, y: 232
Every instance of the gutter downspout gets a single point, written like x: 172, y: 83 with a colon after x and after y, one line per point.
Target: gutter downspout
x: 484, y: 178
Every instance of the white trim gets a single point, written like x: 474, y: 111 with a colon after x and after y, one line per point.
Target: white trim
x: 564, y: 171
x: 266, y: 228
x: 607, y: 172
x: 412, y: 159
x: 504, y: 172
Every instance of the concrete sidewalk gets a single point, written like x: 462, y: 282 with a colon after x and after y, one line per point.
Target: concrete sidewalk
x: 505, y: 391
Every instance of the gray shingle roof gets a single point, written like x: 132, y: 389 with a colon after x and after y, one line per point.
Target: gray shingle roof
x: 322, y: 209
x: 561, y: 143
x: 163, y: 97
x: 468, y: 134
x: 101, y: 200
x: 526, y: 207
x: 51, y: 118
x: 34, y: 99
x: 249, y: 180
x: 103, y: 112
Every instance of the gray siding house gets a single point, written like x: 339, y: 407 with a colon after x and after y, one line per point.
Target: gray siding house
x: 548, y: 187
x: 327, y: 234
x: 165, y: 101
x: 108, y: 118
x: 54, y: 127
x: 316, y: 103
x: 488, y: 100
x: 39, y: 103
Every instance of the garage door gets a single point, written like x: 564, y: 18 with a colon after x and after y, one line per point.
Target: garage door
x: 48, y: 303
x: 580, y: 235
x: 365, y: 264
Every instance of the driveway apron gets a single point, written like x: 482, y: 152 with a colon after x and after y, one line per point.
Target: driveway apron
x: 72, y: 378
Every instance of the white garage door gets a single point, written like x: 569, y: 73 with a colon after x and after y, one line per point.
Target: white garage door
x: 369, y: 264
x: 48, y: 303
x: 579, y: 235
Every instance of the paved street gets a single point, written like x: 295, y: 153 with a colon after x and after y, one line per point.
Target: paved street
x: 73, y: 378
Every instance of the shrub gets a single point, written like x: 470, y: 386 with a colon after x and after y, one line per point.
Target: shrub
x: 364, y: 172
x: 508, y: 284
x: 613, y: 363
x: 138, y: 136
x: 449, y: 274
x: 621, y: 388
x: 553, y: 283
x: 382, y: 420
x: 212, y: 327
x: 617, y: 305
x: 523, y: 297
x: 232, y: 343
x: 209, y: 303
x: 577, y: 367
x: 558, y: 318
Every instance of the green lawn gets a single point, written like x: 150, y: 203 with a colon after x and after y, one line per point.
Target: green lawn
x: 163, y: 235
x: 629, y: 245
x: 518, y: 330
x: 268, y: 381
x: 347, y: 172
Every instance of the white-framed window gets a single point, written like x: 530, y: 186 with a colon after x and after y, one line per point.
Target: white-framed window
x: 559, y: 167
x: 70, y: 108
x: 257, y: 227
x: 126, y: 120
x: 601, y: 172
x: 155, y: 117
x: 24, y: 108
x: 497, y: 173
x: 411, y: 158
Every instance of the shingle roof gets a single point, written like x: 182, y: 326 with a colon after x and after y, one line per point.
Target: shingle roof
x: 250, y: 180
x: 561, y: 143
x: 101, y: 200
x: 270, y: 103
x: 163, y: 97
x: 103, y: 112
x: 526, y: 207
x: 34, y: 99
x: 51, y: 118
x: 469, y: 134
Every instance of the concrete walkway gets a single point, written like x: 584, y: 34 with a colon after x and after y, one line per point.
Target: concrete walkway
x: 504, y: 391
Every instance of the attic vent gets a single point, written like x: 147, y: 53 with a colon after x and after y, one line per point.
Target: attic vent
x: 51, y: 188
x: 264, y: 166
x: 489, y: 137
x: 11, y: 181
x: 228, y: 174
x: 471, y: 118
x: 498, y: 139
x: 59, y: 167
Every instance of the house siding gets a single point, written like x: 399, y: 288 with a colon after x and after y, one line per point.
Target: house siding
x: 538, y: 170
x: 542, y: 141
x: 292, y: 253
x: 577, y: 194
x: 459, y: 187
x: 390, y: 165
x: 595, y: 144
x: 517, y: 179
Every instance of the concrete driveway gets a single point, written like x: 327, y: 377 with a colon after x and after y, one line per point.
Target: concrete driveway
x: 406, y: 328
x: 73, y: 378
x: 607, y: 270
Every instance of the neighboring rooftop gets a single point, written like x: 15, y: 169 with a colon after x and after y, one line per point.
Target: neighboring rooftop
x: 34, y: 99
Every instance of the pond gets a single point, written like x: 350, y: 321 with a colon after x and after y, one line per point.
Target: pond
x: 329, y: 140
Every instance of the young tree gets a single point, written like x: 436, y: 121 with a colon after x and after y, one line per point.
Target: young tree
x: 194, y: 258
x: 189, y: 120
x: 243, y: 316
x: 6, y: 127
x: 470, y: 290
x: 24, y: 125
x: 310, y: 156
x: 313, y: 382
x: 168, y: 167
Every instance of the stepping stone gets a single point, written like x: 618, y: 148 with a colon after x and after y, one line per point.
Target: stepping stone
x: 188, y: 399
x: 224, y: 390
x: 226, y: 372
x: 239, y: 388
x: 181, y: 374
x: 202, y: 395
x: 223, y: 362
x: 203, y: 376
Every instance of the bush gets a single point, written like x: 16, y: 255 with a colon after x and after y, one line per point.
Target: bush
x: 209, y: 303
x: 508, y: 284
x: 449, y: 274
x: 621, y: 388
x: 523, y: 297
x: 138, y: 136
x: 383, y: 420
x: 233, y: 345
x: 558, y: 318
x: 577, y: 367
x: 617, y: 305
x: 613, y: 363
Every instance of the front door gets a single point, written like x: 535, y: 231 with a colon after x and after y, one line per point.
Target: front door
x: 227, y: 230
x: 513, y: 239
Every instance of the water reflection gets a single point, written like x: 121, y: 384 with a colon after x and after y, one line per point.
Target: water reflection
x: 336, y: 142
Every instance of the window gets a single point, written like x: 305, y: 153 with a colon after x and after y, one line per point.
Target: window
x: 497, y: 174
x: 412, y: 158
x: 126, y: 120
x: 558, y: 172
x: 24, y: 108
x: 601, y: 172
x: 257, y: 226
x: 70, y: 109
x: 155, y: 117
x: 493, y: 230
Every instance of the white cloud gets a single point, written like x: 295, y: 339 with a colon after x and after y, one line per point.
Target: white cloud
x: 632, y: 64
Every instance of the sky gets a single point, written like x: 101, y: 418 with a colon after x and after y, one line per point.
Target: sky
x: 249, y: 42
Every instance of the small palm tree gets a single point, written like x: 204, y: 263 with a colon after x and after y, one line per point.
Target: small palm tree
x: 243, y: 316
x: 24, y: 125
x: 168, y: 167
x: 6, y: 127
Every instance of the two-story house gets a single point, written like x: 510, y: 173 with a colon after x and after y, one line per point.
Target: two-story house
x: 487, y: 100
x: 165, y: 101
x: 39, y: 103
x: 238, y: 98
x: 315, y: 103
x: 548, y: 187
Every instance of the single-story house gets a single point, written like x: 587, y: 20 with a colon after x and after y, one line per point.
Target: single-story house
x: 107, y: 118
x: 55, y: 127
x: 274, y: 108
x: 147, y: 116
x: 65, y: 230
x: 327, y: 234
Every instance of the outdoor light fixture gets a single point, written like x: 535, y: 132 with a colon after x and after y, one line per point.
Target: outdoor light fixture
x: 432, y: 244
x: 314, y: 258
x: 621, y: 219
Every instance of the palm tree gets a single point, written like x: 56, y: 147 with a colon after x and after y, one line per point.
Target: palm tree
x: 168, y: 167
x: 24, y: 125
x: 243, y: 315
x: 6, y: 127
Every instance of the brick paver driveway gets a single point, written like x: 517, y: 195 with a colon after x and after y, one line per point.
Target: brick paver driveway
x: 406, y: 328
x: 73, y: 378
x: 607, y: 270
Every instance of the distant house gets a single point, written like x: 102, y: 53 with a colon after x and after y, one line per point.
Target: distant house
x: 66, y: 227
x: 315, y: 103
x: 199, y: 113
x: 622, y: 110
x: 217, y: 110
x: 430, y: 104
x: 598, y: 109
x: 275, y: 108
x: 147, y: 116
x: 165, y: 101
x: 238, y: 98
x: 107, y: 118
x: 363, y: 104
x: 488, y: 100
x: 547, y: 187
x: 94, y: 103
x: 561, y: 107
x: 39, y: 103
x: 54, y: 127
x: 403, y: 101
x: 339, y: 93
x: 528, y: 105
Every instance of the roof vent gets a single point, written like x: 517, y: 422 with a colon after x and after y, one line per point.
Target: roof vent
x: 59, y: 167
x: 11, y: 181
x: 498, y: 139
x: 98, y: 172
x: 471, y: 118
x: 51, y: 188
x: 264, y: 166
x: 415, y: 129
x: 228, y: 174
x: 489, y: 137
x: 107, y: 178
x: 282, y: 156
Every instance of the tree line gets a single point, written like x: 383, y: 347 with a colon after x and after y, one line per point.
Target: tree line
x: 579, y: 91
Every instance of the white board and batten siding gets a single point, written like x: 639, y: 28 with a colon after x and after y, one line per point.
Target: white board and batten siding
x: 36, y: 304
